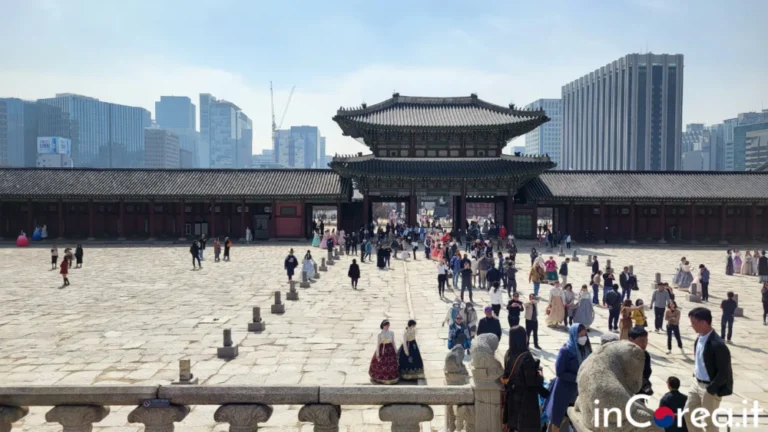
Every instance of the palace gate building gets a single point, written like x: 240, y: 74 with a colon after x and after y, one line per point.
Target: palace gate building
x: 420, y: 147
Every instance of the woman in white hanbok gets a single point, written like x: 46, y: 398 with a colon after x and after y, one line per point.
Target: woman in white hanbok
x: 308, y: 265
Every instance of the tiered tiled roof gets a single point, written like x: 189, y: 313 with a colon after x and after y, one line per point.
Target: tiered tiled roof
x: 435, y: 113
x: 469, y: 168
x: 181, y: 183
x: 640, y: 186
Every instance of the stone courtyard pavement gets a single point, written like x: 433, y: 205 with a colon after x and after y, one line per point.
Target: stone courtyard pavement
x: 132, y: 312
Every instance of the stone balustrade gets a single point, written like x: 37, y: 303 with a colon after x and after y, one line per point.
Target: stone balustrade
x: 244, y: 408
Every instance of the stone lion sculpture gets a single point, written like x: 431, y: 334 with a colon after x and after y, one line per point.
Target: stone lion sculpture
x: 456, y: 374
x: 612, y: 375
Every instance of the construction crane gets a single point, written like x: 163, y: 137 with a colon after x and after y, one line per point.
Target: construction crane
x: 276, y: 126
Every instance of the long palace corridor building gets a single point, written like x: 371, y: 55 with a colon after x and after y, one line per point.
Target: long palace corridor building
x: 420, y: 147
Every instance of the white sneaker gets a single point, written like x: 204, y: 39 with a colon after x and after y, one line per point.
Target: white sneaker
x: 669, y: 352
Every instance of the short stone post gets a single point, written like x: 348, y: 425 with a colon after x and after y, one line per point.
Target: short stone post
x: 322, y: 265
x: 336, y: 253
x: 324, y: 417
x: 486, y: 371
x: 229, y: 350
x: 406, y: 417
x: 10, y: 415
x: 317, y: 273
x: 292, y: 295
x: 693, y: 293
x: 562, y: 251
x: 243, y: 417
x: 575, y: 257
x: 258, y: 324
x: 76, y: 418
x: 739, y: 312
x: 158, y: 419
x: 185, y: 373
x: 278, y: 307
x: 657, y: 278
x: 608, y: 264
x: 329, y: 261
x: 589, y: 261
x: 304, y: 280
x: 631, y: 269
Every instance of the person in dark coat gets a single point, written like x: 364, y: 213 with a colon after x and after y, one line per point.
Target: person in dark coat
x: 79, y: 255
x: 195, y: 251
x: 675, y: 401
x: 522, y: 385
x: 762, y: 268
x: 354, y: 273
x: 595, y: 266
x: 290, y: 264
x: 381, y: 260
x: 563, y: 388
x: 489, y: 324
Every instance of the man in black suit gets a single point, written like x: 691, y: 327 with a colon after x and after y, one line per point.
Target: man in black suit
x: 675, y: 401
x: 713, y: 377
x: 626, y: 288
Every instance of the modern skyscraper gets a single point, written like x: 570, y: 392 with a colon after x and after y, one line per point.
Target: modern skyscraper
x: 299, y: 147
x: 176, y: 114
x: 162, y: 149
x: 546, y: 139
x: 754, y: 139
x: 106, y: 135
x: 626, y: 115
x: 736, y: 153
x: 226, y: 134
x: 21, y: 123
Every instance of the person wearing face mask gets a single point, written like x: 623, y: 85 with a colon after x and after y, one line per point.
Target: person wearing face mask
x: 563, y: 389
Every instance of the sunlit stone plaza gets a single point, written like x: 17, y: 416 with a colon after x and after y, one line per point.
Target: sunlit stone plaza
x: 132, y: 312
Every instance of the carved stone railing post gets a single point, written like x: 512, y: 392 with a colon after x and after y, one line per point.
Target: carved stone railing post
x: 455, y: 374
x: 243, y: 417
x: 486, y: 371
x: 77, y: 418
x: 325, y: 417
x: 10, y: 415
x: 406, y: 417
x: 158, y: 419
x: 465, y: 418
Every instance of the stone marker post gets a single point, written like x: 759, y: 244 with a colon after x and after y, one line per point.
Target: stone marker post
x: 257, y: 325
x: 607, y: 265
x: 304, y: 280
x: 229, y: 350
x: 631, y: 269
x: 278, y: 307
x: 693, y: 293
x: 336, y: 253
x: 739, y: 312
x: 317, y: 273
x: 658, y: 278
x: 292, y: 295
x: 562, y: 251
x: 575, y: 257
x: 185, y: 373
x: 589, y: 261
x: 329, y: 261
x: 322, y: 265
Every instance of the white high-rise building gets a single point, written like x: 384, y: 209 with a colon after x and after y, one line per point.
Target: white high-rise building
x: 626, y: 115
x: 546, y: 139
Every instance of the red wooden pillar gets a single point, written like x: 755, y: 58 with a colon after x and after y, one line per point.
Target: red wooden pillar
x: 90, y: 219
x: 366, y: 210
x: 535, y: 219
x: 510, y: 213
x: 152, y: 219
x: 242, y: 217
x: 693, y: 222
x: 571, y: 219
x: 633, y: 223
x: 61, y: 219
x: 753, y: 229
x: 411, y: 210
x: 723, y: 219
x: 273, y: 221
x: 30, y: 218
x: 603, y: 228
x: 663, y: 224
x: 180, y: 223
x: 212, y: 222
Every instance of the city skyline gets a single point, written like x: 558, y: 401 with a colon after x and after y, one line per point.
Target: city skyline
x: 453, y: 53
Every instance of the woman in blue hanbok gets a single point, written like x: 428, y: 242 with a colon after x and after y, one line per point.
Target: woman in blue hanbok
x: 316, y: 240
x: 308, y: 265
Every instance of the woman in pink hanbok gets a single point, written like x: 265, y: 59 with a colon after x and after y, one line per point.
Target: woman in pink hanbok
x: 324, y: 242
x: 437, y: 251
x: 341, y: 238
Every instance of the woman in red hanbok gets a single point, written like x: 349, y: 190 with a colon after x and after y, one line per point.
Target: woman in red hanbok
x: 437, y: 251
x: 384, y: 367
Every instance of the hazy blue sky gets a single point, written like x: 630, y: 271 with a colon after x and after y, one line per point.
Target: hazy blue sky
x: 344, y: 53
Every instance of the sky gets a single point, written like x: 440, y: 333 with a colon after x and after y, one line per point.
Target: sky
x: 346, y: 53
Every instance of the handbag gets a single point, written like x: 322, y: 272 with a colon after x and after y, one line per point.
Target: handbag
x: 505, y: 380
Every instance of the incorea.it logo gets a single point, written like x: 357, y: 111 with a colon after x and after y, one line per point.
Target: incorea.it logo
x: 664, y: 417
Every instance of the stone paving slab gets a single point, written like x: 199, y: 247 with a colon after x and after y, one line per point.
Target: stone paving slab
x: 131, y: 313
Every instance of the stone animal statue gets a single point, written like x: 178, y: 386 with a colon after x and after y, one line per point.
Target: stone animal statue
x: 456, y: 374
x: 612, y: 374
